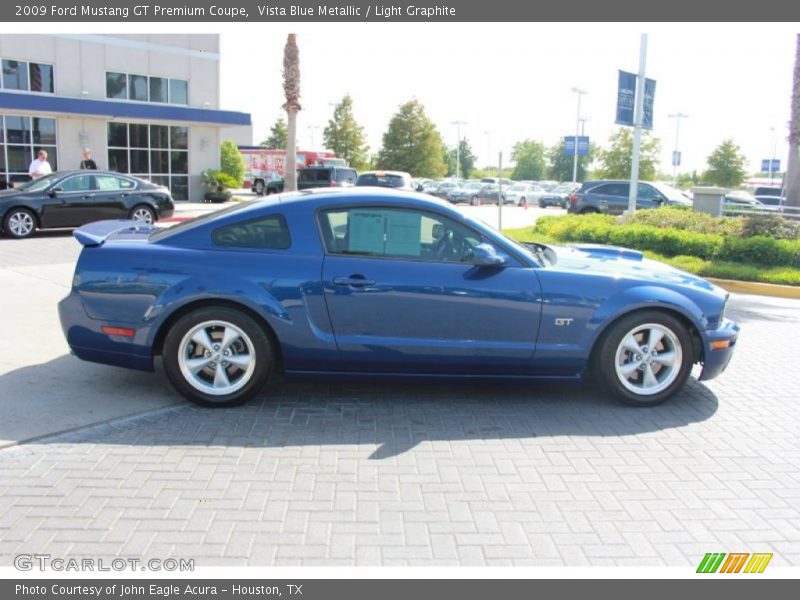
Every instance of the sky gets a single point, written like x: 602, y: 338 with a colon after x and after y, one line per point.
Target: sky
x: 511, y: 82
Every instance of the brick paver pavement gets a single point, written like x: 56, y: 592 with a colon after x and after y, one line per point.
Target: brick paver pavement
x: 433, y: 474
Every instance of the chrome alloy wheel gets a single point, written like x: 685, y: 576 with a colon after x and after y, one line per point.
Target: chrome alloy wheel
x: 21, y: 224
x: 648, y: 359
x: 216, y: 358
x: 143, y: 215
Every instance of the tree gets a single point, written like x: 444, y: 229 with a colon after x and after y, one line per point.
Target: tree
x: 465, y: 157
x: 529, y: 158
x: 291, y: 89
x: 277, y: 135
x: 231, y: 161
x: 412, y: 143
x: 345, y: 137
x: 617, y: 158
x: 726, y: 165
x: 561, y: 166
x: 792, y: 181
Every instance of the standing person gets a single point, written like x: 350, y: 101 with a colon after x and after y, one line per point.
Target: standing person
x: 40, y: 167
x: 87, y: 162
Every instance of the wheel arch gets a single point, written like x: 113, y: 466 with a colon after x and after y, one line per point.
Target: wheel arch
x: 668, y: 309
x: 174, y: 316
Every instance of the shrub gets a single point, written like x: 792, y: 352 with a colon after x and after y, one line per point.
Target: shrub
x: 774, y: 226
x: 232, y: 162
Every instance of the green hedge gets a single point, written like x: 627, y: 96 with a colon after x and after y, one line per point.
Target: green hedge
x: 603, y: 229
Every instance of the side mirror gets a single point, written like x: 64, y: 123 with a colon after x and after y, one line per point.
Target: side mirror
x: 55, y: 192
x: 486, y: 255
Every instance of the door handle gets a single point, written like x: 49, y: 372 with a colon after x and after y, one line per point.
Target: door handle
x: 87, y: 196
x: 356, y: 280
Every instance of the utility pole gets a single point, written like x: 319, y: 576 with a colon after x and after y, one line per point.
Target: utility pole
x: 638, y: 116
x: 458, y: 125
x: 580, y: 93
x: 676, y: 153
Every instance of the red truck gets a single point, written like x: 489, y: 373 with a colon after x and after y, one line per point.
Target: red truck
x: 263, y: 166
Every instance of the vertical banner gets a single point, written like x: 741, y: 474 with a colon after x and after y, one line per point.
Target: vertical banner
x: 583, y: 145
x: 626, y: 95
x: 649, y: 97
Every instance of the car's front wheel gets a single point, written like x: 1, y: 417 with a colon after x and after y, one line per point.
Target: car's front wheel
x: 217, y: 356
x: 258, y: 188
x: 644, y: 358
x: 523, y: 202
x: 143, y: 214
x: 19, y: 223
x: 475, y: 201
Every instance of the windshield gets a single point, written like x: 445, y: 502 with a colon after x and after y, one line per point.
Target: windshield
x: 381, y: 180
x: 473, y: 186
x: 191, y: 223
x: 671, y: 193
x: 564, y: 187
x: 38, y: 185
x: 517, y: 188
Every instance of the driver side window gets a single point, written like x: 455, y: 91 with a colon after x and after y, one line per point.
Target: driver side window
x: 397, y: 233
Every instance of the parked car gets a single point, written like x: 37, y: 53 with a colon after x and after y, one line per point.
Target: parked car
x: 468, y: 192
x: 398, y: 180
x: 558, y: 197
x: 320, y: 177
x: 268, y: 186
x: 522, y: 194
x: 74, y: 198
x: 490, y: 193
x: 444, y: 188
x: 611, y: 196
x: 368, y: 283
x: 768, y: 191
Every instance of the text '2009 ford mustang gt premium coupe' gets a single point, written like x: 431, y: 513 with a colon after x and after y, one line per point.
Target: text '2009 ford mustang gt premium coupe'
x: 382, y: 284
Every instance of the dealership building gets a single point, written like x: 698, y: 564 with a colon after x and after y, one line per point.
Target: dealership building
x: 147, y: 105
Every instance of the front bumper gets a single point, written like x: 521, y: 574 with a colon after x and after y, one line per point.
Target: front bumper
x: 715, y: 361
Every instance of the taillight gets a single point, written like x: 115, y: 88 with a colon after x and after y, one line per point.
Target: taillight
x: 573, y: 198
x: 333, y: 184
x: 121, y: 331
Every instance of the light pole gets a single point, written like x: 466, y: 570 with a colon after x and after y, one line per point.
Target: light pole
x: 580, y: 93
x: 458, y: 125
x: 488, y: 147
x: 774, y: 154
x: 311, y: 129
x: 676, y: 153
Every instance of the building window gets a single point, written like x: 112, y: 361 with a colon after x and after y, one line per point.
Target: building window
x: 27, y: 76
x: 21, y: 138
x: 141, y: 88
x: 159, y: 153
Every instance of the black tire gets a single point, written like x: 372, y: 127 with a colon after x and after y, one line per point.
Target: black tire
x: 258, y: 188
x: 611, y: 357
x: 475, y: 201
x: 257, y: 345
x: 143, y: 214
x: 589, y: 211
x: 523, y: 202
x: 19, y: 223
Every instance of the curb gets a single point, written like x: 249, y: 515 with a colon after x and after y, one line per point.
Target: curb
x: 760, y: 289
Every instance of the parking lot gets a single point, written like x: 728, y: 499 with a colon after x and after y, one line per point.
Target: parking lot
x: 103, y: 462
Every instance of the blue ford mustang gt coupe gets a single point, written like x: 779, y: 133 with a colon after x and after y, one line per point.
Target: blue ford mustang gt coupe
x: 375, y: 283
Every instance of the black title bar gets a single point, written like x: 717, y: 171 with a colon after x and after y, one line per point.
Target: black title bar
x: 260, y: 11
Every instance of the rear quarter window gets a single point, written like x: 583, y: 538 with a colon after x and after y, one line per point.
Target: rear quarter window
x: 268, y: 233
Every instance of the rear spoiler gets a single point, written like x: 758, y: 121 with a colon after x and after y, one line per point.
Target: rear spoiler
x: 94, y: 234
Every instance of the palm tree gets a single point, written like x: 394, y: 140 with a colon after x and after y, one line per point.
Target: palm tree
x: 291, y: 88
x: 793, y: 168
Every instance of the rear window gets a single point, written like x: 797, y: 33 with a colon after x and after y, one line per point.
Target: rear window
x: 270, y: 233
x: 307, y: 175
x: 381, y: 180
x: 345, y: 175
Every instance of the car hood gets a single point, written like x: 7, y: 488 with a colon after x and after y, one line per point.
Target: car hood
x: 12, y: 193
x: 622, y: 263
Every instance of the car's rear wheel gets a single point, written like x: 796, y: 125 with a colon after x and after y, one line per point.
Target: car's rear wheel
x: 644, y: 358
x: 19, y: 223
x: 217, y: 356
x: 258, y: 188
x: 143, y: 214
x: 523, y: 202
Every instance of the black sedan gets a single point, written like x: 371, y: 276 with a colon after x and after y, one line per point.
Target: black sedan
x: 74, y: 198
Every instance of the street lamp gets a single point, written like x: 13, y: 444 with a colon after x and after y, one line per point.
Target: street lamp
x: 458, y: 124
x: 311, y: 129
x: 580, y: 93
x: 676, y: 153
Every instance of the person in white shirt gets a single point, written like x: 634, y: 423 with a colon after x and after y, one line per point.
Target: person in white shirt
x: 40, y: 167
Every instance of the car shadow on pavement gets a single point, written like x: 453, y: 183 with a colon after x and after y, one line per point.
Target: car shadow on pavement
x: 745, y: 308
x: 382, y: 419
